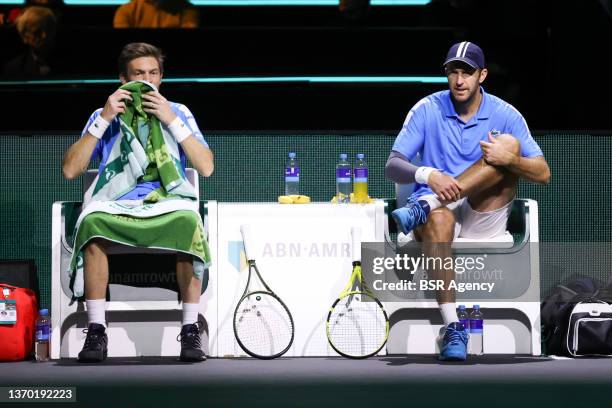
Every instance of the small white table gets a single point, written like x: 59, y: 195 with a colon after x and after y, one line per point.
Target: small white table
x: 303, y: 254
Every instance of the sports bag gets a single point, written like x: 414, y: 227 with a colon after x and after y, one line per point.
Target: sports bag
x: 556, y: 309
x: 589, y: 331
x: 17, y: 339
x: 563, y: 333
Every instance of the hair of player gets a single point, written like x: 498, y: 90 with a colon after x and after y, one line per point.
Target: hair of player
x: 137, y: 50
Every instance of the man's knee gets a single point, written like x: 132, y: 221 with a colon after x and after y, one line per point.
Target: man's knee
x: 440, y: 226
x: 95, y: 249
x: 510, y: 143
x: 184, y: 264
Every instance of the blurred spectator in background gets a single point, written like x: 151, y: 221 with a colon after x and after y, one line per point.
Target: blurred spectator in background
x: 156, y: 14
x: 36, y: 27
x: 54, y: 5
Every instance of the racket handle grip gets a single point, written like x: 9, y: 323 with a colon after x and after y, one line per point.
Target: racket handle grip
x: 356, y: 243
x: 246, y: 231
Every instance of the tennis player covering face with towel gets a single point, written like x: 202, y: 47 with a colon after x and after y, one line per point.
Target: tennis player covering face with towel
x: 473, y: 148
x: 141, y: 196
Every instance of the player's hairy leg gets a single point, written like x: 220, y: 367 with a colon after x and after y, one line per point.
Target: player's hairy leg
x: 189, y: 285
x: 437, y: 234
x: 96, y: 269
x: 487, y: 188
x: 490, y: 187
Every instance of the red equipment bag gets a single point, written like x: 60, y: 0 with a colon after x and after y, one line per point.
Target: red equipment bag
x: 17, y: 339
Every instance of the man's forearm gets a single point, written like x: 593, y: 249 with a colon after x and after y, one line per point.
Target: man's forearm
x: 534, y: 169
x: 77, y: 157
x: 200, y: 156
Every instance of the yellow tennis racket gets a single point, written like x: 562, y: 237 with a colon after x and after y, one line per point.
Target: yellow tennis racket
x: 357, y: 323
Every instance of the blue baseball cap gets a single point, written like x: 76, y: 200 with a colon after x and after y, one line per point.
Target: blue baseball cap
x: 467, y: 52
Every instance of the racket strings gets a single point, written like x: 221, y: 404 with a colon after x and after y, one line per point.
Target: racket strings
x: 357, y: 326
x: 263, y: 325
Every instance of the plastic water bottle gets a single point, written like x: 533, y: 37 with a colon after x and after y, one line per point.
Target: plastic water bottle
x: 476, y: 331
x: 42, y: 336
x: 292, y: 176
x: 463, y: 317
x: 343, y: 179
x: 360, y: 180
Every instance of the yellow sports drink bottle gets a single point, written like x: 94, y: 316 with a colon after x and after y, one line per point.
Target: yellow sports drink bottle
x: 360, y: 179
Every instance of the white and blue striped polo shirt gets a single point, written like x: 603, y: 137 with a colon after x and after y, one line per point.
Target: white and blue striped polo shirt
x: 105, y: 144
x: 434, y: 130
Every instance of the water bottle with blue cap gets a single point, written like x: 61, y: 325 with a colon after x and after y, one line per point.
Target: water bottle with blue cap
x: 343, y: 179
x: 292, y: 175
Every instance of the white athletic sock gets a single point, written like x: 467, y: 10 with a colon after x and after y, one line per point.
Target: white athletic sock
x: 190, y: 313
x: 449, y: 313
x: 432, y: 200
x: 96, y: 311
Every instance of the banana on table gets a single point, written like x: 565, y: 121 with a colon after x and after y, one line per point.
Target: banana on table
x: 293, y: 199
x: 302, y: 199
x: 354, y: 200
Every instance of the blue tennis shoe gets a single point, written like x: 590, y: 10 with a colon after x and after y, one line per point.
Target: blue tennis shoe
x: 454, y: 343
x: 410, y: 216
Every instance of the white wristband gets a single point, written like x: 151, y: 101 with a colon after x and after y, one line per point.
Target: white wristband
x: 179, y: 129
x: 98, y: 127
x: 422, y: 174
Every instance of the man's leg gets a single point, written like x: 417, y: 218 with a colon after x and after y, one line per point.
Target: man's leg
x: 488, y: 188
x: 191, y: 288
x: 96, y: 281
x: 96, y: 270
x: 437, y: 236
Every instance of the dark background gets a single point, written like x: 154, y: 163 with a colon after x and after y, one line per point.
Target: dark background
x: 549, y: 59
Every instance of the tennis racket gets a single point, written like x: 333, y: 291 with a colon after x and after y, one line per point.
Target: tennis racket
x: 263, y: 325
x: 357, y: 324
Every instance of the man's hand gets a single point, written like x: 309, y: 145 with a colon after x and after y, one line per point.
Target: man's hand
x: 495, y: 154
x: 445, y: 186
x: 159, y: 106
x: 115, y: 104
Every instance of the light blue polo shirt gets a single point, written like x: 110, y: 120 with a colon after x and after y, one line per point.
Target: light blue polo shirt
x: 434, y: 130
x: 105, y: 144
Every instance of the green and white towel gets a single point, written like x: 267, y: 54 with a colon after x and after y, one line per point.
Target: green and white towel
x: 168, y: 218
x: 130, y: 162
x: 170, y: 224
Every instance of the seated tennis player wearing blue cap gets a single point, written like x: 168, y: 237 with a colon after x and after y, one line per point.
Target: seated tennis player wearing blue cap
x: 473, y: 148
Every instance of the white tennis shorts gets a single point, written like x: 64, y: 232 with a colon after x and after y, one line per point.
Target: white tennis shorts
x: 473, y: 224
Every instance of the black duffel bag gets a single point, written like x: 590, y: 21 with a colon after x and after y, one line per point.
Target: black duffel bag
x: 577, y: 320
x: 589, y: 331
